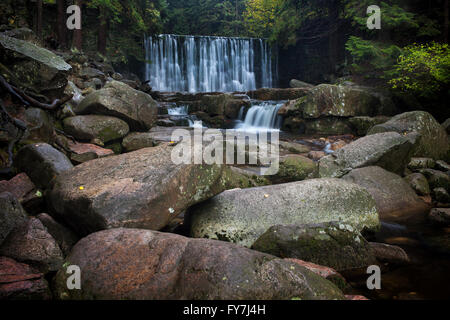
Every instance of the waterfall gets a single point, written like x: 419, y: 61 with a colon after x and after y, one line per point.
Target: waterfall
x: 261, y: 116
x: 208, y: 64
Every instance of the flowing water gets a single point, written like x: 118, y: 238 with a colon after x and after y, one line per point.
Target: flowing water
x: 208, y: 64
x: 262, y: 116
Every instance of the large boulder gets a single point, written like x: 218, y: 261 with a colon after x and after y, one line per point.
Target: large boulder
x: 394, y: 198
x: 334, y: 245
x: 19, y: 281
x: 89, y: 127
x: 12, y: 214
x: 339, y: 101
x: 388, y: 150
x: 328, y: 100
x: 33, y: 66
x: 294, y: 83
x: 428, y: 136
x: 32, y: 244
x: 143, y: 264
x: 241, y: 216
x: 143, y: 189
x: 42, y: 163
x: 117, y: 99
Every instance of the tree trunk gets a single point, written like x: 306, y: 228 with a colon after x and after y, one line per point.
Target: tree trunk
x: 102, y: 33
x: 61, y: 23
x: 446, y: 7
x: 39, y: 19
x: 77, y: 41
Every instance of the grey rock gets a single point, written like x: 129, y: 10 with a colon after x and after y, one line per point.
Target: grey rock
x: 241, y: 216
x: 42, y: 163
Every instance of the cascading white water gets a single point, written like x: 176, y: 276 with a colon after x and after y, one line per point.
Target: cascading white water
x: 261, y: 116
x: 207, y: 64
x: 178, y: 111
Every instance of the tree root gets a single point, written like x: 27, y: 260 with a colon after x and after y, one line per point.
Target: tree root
x: 29, y: 101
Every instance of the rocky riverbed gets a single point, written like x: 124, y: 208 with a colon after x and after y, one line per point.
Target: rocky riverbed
x: 88, y: 180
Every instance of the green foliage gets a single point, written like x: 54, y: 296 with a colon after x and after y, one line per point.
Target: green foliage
x: 137, y: 18
x: 423, y: 69
x: 205, y: 17
x: 393, y: 16
x: 109, y: 9
x: 372, y: 58
x: 260, y: 16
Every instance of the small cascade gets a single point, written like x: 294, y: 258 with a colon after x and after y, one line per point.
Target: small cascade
x: 181, y: 112
x: 261, y: 116
x: 178, y: 111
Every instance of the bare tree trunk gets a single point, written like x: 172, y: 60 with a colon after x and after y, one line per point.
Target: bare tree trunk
x: 446, y: 7
x: 77, y: 41
x: 61, y: 23
x: 39, y: 19
x: 102, y: 33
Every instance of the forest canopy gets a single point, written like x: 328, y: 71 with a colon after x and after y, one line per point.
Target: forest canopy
x: 412, y: 31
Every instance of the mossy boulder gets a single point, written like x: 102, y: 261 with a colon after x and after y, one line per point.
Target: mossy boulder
x: 332, y: 244
x: 130, y: 264
x: 429, y: 138
x: 361, y: 125
x: 326, y: 100
x: 34, y: 66
x: 295, y: 168
x: 117, y: 99
x: 328, y: 126
x: 234, y: 177
x: 137, y: 140
x: 91, y: 127
x: 241, y: 216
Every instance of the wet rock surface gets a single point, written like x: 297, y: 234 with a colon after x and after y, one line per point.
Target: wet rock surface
x: 19, y: 281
